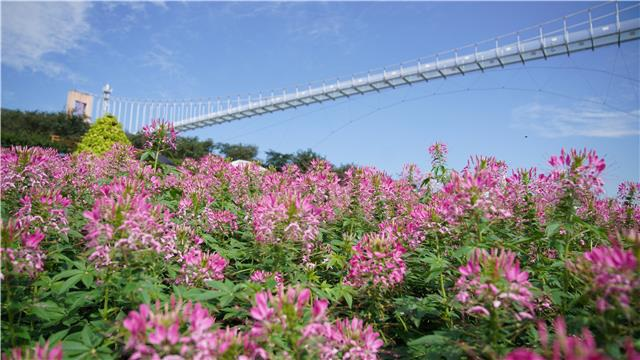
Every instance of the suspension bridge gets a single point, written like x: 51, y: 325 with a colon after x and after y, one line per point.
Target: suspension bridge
x: 607, y: 24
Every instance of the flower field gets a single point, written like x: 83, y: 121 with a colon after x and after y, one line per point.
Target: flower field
x: 117, y: 256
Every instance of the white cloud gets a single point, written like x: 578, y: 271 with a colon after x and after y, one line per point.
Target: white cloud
x: 592, y: 120
x: 163, y: 59
x: 33, y: 31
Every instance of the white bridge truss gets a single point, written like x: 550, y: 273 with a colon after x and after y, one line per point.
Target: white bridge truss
x: 611, y: 23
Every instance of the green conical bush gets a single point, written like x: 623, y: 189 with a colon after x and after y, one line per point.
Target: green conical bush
x: 102, y: 135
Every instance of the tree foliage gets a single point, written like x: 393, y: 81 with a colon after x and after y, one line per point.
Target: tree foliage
x: 35, y: 128
x: 277, y: 160
x: 102, y: 135
x: 237, y: 151
x: 302, y: 159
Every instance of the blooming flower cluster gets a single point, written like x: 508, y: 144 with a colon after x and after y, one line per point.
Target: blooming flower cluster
x: 352, y: 339
x: 43, y: 352
x: 26, y: 168
x: 185, y: 331
x: 260, y: 276
x: 221, y: 221
x: 377, y: 261
x: 123, y: 222
x: 321, y: 185
x: 199, y: 266
x: 303, y: 220
x: 20, y: 251
x: 563, y: 346
x: 612, y: 274
x: 629, y: 202
x: 285, y: 315
x: 188, y: 330
x: 160, y: 134
x: 579, y: 169
x: 492, y: 281
x: 45, y: 210
x: 377, y: 196
x: 287, y: 218
x: 478, y: 187
x: 438, y: 152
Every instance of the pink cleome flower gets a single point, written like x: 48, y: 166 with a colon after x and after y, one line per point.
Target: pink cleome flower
x: 199, y: 266
x: 37, y: 353
x: 287, y: 312
x: 21, y: 253
x: 183, y: 330
x: 260, y: 277
x: 123, y: 220
x: 287, y: 217
x: 563, y: 345
x: 377, y: 261
x: 438, y: 150
x: 160, y: 134
x: 221, y: 221
x: 493, y: 281
x: 612, y: 274
x: 45, y: 209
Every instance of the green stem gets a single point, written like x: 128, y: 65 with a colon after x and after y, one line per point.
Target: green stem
x: 12, y: 328
x: 445, y: 301
x: 106, y: 300
x: 494, y: 330
x: 155, y: 163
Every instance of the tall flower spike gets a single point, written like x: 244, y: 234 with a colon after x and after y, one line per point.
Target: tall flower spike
x: 160, y: 134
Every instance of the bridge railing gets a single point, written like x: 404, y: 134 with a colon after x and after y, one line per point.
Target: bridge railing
x: 601, y: 25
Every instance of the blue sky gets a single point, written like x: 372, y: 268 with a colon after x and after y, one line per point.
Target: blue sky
x: 195, y: 50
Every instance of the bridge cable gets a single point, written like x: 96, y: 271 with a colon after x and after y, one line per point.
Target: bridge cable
x: 584, y: 77
x: 322, y: 108
x: 613, y: 69
x: 502, y: 88
x: 577, y: 68
x: 626, y: 67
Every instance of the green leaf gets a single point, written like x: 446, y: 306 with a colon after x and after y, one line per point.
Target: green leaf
x: 71, y: 348
x: 429, y: 340
x: 87, y: 280
x: 348, y: 298
x: 67, y: 273
x: 57, y: 337
x: 89, y: 337
x: 48, y: 311
x: 72, y: 281
x: 552, y: 229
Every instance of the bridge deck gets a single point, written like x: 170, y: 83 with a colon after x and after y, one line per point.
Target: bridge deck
x: 573, y: 33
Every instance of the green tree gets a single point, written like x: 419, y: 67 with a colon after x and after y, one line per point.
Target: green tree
x: 277, y: 160
x: 35, y: 128
x: 191, y: 147
x: 102, y: 135
x: 303, y: 159
x: 237, y: 151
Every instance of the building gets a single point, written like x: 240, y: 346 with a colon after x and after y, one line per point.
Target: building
x: 79, y: 103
